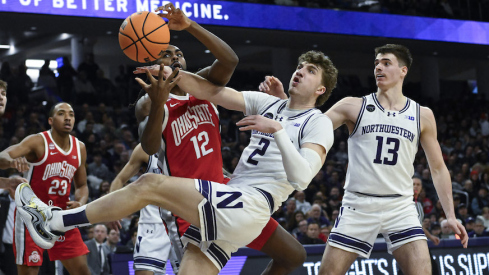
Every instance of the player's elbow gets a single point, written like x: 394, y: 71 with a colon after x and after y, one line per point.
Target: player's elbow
x: 299, y: 184
x: 149, y: 149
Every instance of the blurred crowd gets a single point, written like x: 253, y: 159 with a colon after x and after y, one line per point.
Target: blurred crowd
x: 107, y: 126
x: 454, y: 9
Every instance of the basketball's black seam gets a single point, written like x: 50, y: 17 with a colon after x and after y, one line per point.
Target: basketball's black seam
x: 134, y: 29
x: 145, y: 35
x: 129, y: 38
x: 146, y: 49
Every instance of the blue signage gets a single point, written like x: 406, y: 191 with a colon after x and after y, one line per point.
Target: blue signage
x: 249, y: 15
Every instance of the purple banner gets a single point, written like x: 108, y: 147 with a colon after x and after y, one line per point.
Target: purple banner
x: 248, y: 15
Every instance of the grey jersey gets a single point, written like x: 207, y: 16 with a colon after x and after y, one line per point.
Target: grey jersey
x: 261, y: 164
x: 381, y: 149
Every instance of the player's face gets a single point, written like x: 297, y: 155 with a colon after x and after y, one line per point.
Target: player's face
x: 173, y: 56
x: 63, y: 119
x: 387, y: 71
x: 306, y: 79
x: 3, y: 101
x: 417, y: 186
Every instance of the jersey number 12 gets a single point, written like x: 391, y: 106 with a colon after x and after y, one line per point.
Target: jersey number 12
x: 202, y: 136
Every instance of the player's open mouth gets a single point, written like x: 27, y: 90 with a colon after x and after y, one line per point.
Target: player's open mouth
x: 379, y: 76
x: 295, y: 81
x: 176, y: 65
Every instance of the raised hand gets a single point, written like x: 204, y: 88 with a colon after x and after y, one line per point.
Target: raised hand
x: 177, y: 20
x: 459, y: 229
x: 272, y: 86
x: 259, y: 123
x: 159, y: 89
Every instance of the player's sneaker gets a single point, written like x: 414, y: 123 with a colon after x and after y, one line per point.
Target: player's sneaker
x: 36, y: 216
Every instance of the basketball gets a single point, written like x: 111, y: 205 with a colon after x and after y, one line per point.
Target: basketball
x: 143, y: 36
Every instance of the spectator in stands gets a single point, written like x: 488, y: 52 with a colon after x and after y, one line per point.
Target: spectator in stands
x: 484, y: 125
x: 300, y: 232
x: 47, y: 79
x: 293, y: 224
x: 97, y: 257
x: 89, y: 67
x: 316, y: 215
x: 301, y: 203
x: 113, y: 239
x: 462, y: 212
x: 104, y: 88
x: 289, y: 214
x: 480, y: 201
x: 446, y: 232
x: 324, y: 233
x: 85, y: 92
x: 479, y: 229
x: 485, y: 216
x: 312, y: 234
x: 469, y: 224
x: 435, y: 229
x: 97, y: 168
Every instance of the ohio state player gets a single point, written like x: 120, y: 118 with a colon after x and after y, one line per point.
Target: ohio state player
x: 56, y: 158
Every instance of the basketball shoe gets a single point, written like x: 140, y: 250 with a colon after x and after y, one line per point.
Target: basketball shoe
x: 36, y: 216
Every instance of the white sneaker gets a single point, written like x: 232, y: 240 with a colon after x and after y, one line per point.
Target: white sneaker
x: 36, y: 216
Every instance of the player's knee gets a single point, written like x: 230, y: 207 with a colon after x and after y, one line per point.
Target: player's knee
x: 148, y: 183
x: 299, y: 258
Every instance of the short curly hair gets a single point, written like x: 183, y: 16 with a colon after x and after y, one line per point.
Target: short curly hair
x: 401, y: 52
x: 329, y: 75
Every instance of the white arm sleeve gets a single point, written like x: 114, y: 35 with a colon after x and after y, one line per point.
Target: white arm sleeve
x: 300, y: 166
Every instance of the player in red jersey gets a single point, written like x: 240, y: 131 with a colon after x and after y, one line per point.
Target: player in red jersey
x: 188, y: 141
x: 56, y: 158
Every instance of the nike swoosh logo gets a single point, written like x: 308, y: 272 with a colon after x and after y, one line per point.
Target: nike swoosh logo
x: 53, y: 153
x: 173, y: 105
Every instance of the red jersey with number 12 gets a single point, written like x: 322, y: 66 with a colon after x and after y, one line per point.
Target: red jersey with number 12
x: 51, y: 177
x: 191, y: 145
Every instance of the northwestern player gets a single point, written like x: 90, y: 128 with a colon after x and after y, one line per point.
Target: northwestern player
x: 152, y: 247
x: 386, y: 129
x: 56, y: 159
x: 20, y: 163
x: 288, y: 147
x: 179, y: 149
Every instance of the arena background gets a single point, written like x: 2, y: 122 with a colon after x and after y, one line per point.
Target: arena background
x: 450, y: 74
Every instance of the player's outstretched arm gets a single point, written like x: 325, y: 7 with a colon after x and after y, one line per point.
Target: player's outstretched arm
x: 81, y: 187
x: 15, y: 156
x: 439, y: 171
x: 138, y: 157
x: 222, y: 69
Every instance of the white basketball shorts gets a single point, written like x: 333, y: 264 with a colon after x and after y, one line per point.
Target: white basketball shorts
x: 152, y: 248
x: 363, y: 217
x: 230, y: 217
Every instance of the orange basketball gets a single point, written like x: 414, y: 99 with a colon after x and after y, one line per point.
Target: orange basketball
x: 143, y: 36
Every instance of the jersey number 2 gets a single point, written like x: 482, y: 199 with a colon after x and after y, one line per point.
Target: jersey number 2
x: 391, y: 151
x: 260, y: 152
x: 203, y: 136
x: 58, y: 188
